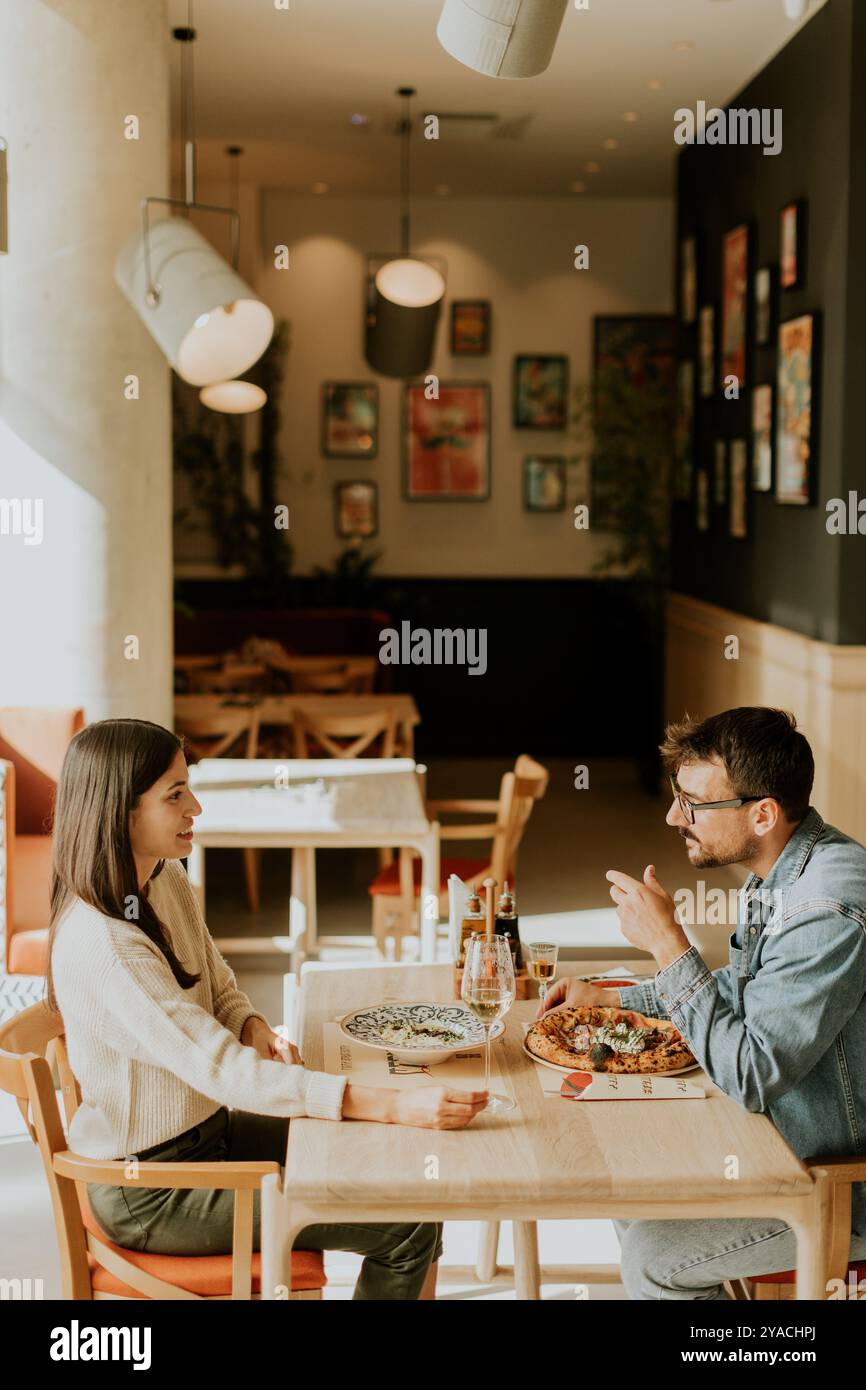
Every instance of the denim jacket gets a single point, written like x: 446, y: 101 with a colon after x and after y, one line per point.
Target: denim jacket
x: 782, y: 1028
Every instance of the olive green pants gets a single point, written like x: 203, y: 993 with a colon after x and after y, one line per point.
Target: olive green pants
x: 193, y: 1221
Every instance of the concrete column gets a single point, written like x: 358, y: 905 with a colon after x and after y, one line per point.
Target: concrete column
x: 85, y: 466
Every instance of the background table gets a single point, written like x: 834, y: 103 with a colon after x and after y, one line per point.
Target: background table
x: 546, y: 1160
x: 279, y: 709
x: 270, y: 804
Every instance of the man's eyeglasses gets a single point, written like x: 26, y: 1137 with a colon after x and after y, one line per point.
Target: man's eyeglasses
x: 688, y: 808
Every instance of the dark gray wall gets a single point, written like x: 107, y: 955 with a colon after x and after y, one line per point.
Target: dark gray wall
x: 789, y: 570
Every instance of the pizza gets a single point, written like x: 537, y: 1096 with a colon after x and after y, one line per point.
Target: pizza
x: 589, y: 1038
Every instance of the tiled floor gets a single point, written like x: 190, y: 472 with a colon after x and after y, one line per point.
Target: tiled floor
x: 573, y: 837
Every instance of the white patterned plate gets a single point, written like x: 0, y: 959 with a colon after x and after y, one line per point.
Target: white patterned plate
x: 366, y: 1026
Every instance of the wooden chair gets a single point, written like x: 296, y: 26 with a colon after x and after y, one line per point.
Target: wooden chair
x: 396, y: 889
x: 345, y: 735
x: 833, y: 1178
x: 230, y: 677
x: 92, y: 1266
x: 213, y: 730
x: 33, y: 744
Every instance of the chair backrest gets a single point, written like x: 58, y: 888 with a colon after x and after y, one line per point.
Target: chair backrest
x: 331, y: 680
x: 212, y: 730
x: 25, y: 1073
x: 35, y: 740
x: 345, y: 735
x: 518, y: 793
x: 7, y: 850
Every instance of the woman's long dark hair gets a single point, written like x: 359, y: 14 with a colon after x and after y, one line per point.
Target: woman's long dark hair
x: 108, y: 767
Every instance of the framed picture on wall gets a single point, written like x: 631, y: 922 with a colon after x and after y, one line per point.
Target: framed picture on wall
x: 739, y: 488
x: 544, y: 483
x: 707, y: 349
x: 446, y: 442
x: 688, y: 279
x: 764, y: 296
x: 792, y: 245
x: 540, y: 392
x: 356, y: 509
x: 735, y: 303
x: 762, y: 438
x: 702, y: 500
x: 350, y: 419
x: 795, y: 394
x: 470, y: 327
x: 684, y: 430
x: 720, y: 472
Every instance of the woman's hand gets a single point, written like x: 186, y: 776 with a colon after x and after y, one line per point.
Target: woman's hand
x: 431, y: 1107
x: 269, y: 1045
x: 576, y: 993
x: 439, y: 1107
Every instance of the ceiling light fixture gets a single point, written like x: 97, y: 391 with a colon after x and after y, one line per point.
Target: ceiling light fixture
x: 591, y: 167
x: 404, y: 292
x: 206, y: 319
x: 630, y: 116
x: 501, y: 38
x: 611, y: 144
x: 232, y: 397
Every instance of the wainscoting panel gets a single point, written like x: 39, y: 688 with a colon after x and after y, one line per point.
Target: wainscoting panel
x: 823, y: 685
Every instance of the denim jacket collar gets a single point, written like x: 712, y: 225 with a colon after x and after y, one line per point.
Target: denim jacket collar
x: 791, y: 862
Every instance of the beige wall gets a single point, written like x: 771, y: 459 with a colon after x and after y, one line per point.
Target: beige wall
x: 516, y: 253
x: 824, y: 686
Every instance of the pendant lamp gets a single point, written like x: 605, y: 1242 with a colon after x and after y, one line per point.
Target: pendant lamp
x: 501, y: 38
x: 404, y: 292
x: 208, y: 322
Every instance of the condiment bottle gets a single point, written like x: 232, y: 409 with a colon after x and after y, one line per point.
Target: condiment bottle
x: 473, y: 921
x: 507, y: 924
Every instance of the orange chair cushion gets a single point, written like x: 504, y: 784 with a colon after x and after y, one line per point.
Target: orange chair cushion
x: 28, y: 953
x: 31, y: 887
x: 790, y: 1275
x: 388, y: 879
x: 209, y: 1276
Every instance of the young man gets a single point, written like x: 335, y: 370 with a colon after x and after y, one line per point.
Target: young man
x: 782, y: 1028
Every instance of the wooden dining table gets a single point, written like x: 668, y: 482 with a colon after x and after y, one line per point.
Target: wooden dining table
x: 550, y: 1159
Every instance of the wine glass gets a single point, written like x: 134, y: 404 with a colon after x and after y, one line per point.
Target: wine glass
x: 488, y: 991
x: 541, y: 963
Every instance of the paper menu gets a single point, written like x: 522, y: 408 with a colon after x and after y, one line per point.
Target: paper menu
x: 370, y: 1066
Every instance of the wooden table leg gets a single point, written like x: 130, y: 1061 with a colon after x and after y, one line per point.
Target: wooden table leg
x: 488, y: 1248
x: 527, y: 1276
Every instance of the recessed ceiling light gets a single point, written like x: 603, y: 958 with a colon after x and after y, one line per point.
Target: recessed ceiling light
x: 611, y: 144
x: 578, y: 187
x: 357, y: 118
x: 321, y: 187
x: 591, y: 167
x: 630, y: 116
x: 442, y: 190
x: 655, y: 84
x: 683, y: 45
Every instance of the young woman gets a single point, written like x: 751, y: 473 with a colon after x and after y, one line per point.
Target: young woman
x: 172, y: 1059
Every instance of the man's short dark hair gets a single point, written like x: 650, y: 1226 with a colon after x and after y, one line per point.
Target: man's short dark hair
x: 760, y: 749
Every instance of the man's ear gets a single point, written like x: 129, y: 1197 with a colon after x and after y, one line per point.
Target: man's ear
x: 769, y: 815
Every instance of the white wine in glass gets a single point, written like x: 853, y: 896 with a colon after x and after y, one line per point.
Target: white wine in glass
x: 488, y: 991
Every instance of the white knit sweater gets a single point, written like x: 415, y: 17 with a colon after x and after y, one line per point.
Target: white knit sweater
x: 153, y: 1059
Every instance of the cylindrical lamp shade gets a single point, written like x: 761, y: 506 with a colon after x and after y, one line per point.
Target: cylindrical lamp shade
x: 402, y: 317
x: 501, y: 38
x: 208, y: 322
x: 233, y: 397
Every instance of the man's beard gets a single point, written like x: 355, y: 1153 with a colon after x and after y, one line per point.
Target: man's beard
x: 741, y: 853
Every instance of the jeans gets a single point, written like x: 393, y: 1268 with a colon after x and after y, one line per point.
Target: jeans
x: 688, y: 1259
x: 198, y: 1221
